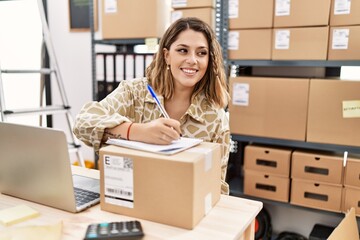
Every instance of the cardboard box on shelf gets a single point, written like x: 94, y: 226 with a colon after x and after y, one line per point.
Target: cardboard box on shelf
x: 179, y: 4
x: 317, y: 166
x: 270, y: 160
x: 351, y: 199
x: 269, y: 107
x: 250, y: 44
x: 177, y: 190
x: 352, y: 173
x: 245, y: 14
x: 344, y: 43
x: 318, y: 195
x: 301, y: 13
x: 306, y: 43
x: 343, y: 13
x: 205, y: 14
x: 264, y: 185
x: 334, y: 115
x: 126, y: 20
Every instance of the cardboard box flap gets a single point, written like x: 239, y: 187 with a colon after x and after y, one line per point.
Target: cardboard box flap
x: 347, y: 229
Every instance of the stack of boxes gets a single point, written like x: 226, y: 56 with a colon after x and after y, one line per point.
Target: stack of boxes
x: 302, y: 109
x: 202, y: 9
x: 317, y: 180
x: 294, y: 30
x: 351, y: 191
x: 249, y: 35
x: 344, y: 41
x: 267, y: 172
x: 300, y: 30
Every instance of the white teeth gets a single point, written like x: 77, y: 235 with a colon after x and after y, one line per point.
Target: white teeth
x: 189, y: 71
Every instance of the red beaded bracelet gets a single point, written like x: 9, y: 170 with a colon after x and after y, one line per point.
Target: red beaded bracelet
x: 128, y: 131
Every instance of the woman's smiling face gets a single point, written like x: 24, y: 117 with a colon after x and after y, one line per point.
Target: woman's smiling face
x: 188, y: 58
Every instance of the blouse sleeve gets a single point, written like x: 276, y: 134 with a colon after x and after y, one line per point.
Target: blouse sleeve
x: 95, y: 116
x: 223, y: 137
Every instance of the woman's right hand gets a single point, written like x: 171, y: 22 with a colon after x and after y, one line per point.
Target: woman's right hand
x: 160, y: 131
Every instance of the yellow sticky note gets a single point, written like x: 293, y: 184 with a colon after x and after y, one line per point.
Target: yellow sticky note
x: 17, y: 214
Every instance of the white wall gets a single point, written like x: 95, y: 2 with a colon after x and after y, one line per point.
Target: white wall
x: 73, y: 52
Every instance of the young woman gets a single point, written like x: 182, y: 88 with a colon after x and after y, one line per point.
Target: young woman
x: 188, y: 76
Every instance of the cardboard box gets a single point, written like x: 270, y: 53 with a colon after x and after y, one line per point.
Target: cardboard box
x: 351, y: 199
x: 126, y: 20
x: 267, y: 186
x: 308, y: 43
x: 269, y: 107
x: 344, y: 43
x: 344, y: 13
x: 178, y: 4
x: 269, y: 160
x: 316, y: 166
x: 301, y: 13
x: 352, y: 173
x: 347, y: 229
x: 250, y: 44
x: 312, y: 194
x: 177, y: 190
x: 334, y: 112
x: 245, y: 14
x: 205, y: 14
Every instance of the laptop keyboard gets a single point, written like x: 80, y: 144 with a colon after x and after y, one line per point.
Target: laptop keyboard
x: 83, y: 196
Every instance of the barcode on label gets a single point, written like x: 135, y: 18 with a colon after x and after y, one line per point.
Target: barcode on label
x: 119, y: 191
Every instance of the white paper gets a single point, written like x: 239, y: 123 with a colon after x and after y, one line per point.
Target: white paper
x: 233, y: 8
x: 175, y: 15
x: 110, y: 6
x: 282, y: 39
x: 175, y: 147
x: 282, y: 8
x: 179, y: 3
x: 233, y: 40
x: 340, y: 39
x: 240, y: 95
x: 342, y: 7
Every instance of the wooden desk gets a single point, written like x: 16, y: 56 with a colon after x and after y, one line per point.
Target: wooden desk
x: 231, y: 218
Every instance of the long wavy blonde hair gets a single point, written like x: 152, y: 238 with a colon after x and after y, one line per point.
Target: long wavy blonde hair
x: 213, y: 85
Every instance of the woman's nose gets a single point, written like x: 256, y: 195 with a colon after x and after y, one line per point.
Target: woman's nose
x: 192, y: 58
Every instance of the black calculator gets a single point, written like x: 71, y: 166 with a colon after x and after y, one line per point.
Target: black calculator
x: 114, y: 230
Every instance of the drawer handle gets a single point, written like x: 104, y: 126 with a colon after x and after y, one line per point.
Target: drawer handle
x: 315, y: 170
x: 265, y: 187
x: 316, y: 196
x: 266, y: 163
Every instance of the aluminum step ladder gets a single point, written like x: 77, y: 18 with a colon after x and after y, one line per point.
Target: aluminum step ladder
x: 53, y: 71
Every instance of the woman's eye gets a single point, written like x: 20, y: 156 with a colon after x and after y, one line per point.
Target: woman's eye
x: 182, y: 50
x: 203, y: 53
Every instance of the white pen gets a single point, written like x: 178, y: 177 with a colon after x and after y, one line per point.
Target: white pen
x: 162, y: 109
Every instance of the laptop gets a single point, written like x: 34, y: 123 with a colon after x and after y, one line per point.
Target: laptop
x: 35, y: 166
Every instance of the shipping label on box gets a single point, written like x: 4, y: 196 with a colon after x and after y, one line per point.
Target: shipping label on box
x: 118, y: 180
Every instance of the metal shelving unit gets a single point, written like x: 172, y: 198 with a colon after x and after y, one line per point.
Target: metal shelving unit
x: 235, y: 171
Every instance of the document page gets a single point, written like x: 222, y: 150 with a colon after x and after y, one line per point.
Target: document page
x: 175, y: 147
